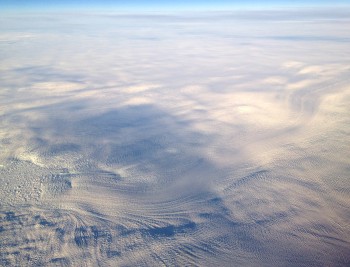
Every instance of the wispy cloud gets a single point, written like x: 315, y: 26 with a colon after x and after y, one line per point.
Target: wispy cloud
x: 204, y: 140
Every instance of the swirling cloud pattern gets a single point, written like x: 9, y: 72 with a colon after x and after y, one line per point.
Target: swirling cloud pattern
x: 213, y: 139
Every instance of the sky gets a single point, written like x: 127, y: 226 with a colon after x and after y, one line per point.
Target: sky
x: 161, y: 4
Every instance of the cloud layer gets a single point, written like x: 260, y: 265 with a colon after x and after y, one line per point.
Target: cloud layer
x: 176, y: 140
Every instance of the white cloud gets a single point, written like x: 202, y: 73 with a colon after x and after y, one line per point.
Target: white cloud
x: 141, y: 130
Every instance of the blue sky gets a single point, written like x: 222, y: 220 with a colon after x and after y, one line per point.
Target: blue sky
x: 162, y: 4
